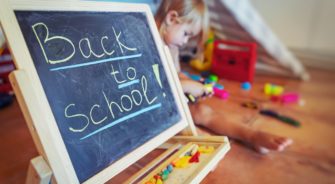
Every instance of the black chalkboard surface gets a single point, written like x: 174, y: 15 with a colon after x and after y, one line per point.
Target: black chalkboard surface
x: 104, y: 81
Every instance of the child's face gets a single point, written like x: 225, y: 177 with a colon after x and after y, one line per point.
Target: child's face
x: 177, y: 34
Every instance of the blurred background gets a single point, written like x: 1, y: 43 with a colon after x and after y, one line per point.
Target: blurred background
x: 304, y: 26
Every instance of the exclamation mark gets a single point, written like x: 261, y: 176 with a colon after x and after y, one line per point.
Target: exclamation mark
x: 156, y: 72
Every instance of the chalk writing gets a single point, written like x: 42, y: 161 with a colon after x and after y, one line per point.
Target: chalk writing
x: 84, y: 42
x: 104, y: 80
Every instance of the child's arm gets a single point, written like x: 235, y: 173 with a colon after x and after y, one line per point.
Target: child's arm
x: 193, y: 87
x: 182, y: 76
x: 189, y: 86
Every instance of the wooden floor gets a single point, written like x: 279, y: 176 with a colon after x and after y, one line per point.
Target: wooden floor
x: 311, y: 159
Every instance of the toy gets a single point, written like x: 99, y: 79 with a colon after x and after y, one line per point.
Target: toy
x: 272, y: 89
x: 250, y: 105
x: 234, y: 60
x: 208, y: 81
x: 205, y: 63
x: 219, y: 86
x: 191, y: 156
x: 290, y: 98
x: 287, y: 98
x: 282, y: 118
x: 221, y: 93
x: 213, y: 78
x: 206, y: 149
x: 195, y: 77
x: 246, y: 86
x: 209, y: 88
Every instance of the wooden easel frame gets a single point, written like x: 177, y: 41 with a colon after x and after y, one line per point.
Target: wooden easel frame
x: 34, y: 103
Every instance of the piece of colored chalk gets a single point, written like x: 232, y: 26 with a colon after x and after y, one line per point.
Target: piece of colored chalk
x: 188, y: 153
x: 195, y: 157
x: 183, y: 162
x: 194, y: 149
x: 157, y: 176
x: 174, y: 162
x: 166, y: 171
x: 246, y: 86
x: 159, y: 181
x: 170, y: 168
x: 204, y: 149
x: 165, y: 175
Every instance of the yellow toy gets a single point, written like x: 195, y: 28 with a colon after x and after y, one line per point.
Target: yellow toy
x: 204, y: 64
x: 271, y: 89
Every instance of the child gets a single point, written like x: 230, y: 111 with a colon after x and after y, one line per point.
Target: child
x: 178, y: 21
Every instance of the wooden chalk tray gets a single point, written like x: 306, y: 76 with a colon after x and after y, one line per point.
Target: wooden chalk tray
x: 177, y: 147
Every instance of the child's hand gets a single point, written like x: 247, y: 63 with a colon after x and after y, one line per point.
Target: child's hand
x: 194, y: 88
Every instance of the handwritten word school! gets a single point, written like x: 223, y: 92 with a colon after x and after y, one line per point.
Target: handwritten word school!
x: 105, y: 112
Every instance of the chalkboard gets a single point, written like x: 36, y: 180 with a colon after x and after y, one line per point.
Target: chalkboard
x: 104, y: 81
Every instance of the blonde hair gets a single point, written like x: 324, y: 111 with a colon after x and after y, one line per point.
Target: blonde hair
x: 189, y: 11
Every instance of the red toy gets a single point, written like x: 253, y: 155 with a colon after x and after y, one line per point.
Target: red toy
x: 234, y: 60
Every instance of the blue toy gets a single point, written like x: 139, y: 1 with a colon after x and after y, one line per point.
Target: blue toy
x: 246, y: 86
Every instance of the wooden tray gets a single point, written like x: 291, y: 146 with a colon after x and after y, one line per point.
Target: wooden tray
x: 178, y: 146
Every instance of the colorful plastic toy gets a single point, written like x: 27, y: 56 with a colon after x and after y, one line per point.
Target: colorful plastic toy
x: 290, y: 97
x: 219, y: 86
x: 234, y: 60
x: 250, y: 105
x: 213, y: 78
x: 286, y: 98
x: 209, y: 88
x: 246, y: 86
x: 221, y: 93
x: 272, y: 89
x: 195, y: 77
x: 205, y: 63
